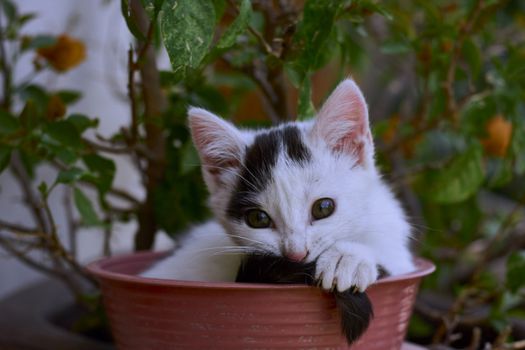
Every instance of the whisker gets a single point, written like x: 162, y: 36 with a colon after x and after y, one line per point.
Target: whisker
x: 204, y: 250
x: 233, y: 252
x: 247, y: 239
x: 245, y: 167
x: 238, y: 173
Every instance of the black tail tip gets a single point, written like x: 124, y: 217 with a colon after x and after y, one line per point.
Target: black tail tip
x: 356, y: 313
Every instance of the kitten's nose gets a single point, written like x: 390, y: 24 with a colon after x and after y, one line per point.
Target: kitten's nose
x: 296, y: 256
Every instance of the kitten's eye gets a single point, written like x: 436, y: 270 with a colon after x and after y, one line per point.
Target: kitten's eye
x: 256, y: 218
x: 323, y: 208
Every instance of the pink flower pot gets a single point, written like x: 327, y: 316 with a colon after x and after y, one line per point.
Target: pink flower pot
x: 168, y: 314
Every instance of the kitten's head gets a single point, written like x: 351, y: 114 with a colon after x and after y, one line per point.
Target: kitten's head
x: 294, y: 189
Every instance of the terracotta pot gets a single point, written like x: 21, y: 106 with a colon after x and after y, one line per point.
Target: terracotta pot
x: 168, y: 314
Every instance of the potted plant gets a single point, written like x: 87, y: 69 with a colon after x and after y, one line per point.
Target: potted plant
x: 448, y: 124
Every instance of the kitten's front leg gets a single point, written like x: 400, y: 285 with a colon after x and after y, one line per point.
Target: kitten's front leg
x: 346, y: 264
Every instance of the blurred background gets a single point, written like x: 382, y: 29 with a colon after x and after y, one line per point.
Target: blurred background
x: 95, y: 157
x: 101, y: 79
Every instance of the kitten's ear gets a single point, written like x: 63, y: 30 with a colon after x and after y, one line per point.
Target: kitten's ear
x: 220, y: 146
x: 342, y: 123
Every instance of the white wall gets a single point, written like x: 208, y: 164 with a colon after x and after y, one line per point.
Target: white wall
x: 102, y: 78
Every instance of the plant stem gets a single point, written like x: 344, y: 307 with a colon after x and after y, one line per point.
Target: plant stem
x: 5, y: 68
x: 30, y: 198
x: 132, y: 98
x: 71, y: 224
x: 155, y: 104
x: 45, y: 235
x: 19, y: 229
x: 106, y: 248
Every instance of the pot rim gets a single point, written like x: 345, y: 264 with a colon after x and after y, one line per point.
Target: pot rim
x: 99, y: 269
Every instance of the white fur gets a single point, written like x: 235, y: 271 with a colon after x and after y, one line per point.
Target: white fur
x: 368, y: 227
x: 205, y: 255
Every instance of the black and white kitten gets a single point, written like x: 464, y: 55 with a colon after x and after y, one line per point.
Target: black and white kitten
x: 308, y: 191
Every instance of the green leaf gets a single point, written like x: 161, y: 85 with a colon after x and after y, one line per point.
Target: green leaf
x: 376, y: 7
x: 30, y: 116
x: 499, y: 172
x: 70, y: 175
x: 187, y: 30
x: 516, y: 271
x: 518, y: 145
x: 36, y: 94
x: 460, y: 179
x: 220, y: 6
x: 396, y: 47
x: 237, y: 27
x: 312, y: 33
x: 476, y: 113
x: 472, y: 55
x: 104, y: 170
x: 125, y: 8
x: 507, y: 302
x: 420, y: 327
x: 85, y: 208
x: 69, y: 96
x: 515, y: 66
x: 9, y: 9
x: 190, y: 158
x: 43, y: 189
x: 168, y: 78
x: 180, y: 201
x: 8, y: 123
x: 5, y: 157
x: 81, y: 122
x: 66, y: 155
x: 305, y: 108
x: 65, y: 133
x: 293, y: 75
x: 25, y: 18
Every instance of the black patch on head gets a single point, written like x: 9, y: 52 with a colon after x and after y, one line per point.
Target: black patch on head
x: 355, y: 308
x: 295, y: 148
x: 255, y: 173
x: 259, y: 161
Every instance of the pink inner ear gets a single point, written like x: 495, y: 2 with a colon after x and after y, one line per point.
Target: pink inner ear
x: 343, y: 122
x: 217, y: 141
x: 353, y: 143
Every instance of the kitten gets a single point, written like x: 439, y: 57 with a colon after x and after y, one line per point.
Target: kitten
x: 355, y: 307
x: 308, y: 191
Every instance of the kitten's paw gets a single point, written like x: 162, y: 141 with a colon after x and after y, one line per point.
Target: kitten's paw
x: 346, y: 265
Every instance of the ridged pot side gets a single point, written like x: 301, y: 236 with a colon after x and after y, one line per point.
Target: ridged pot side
x: 161, y: 314
x: 393, y: 304
x: 193, y: 318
